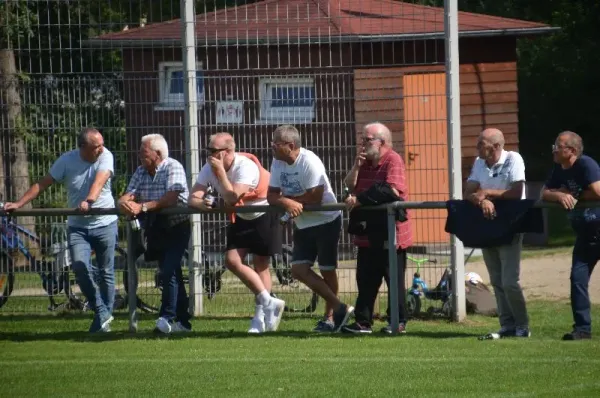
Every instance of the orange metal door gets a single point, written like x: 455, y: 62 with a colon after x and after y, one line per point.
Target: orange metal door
x: 426, y: 153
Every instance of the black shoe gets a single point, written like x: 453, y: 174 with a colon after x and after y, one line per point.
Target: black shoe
x: 341, y: 316
x: 357, y: 328
x: 577, y: 335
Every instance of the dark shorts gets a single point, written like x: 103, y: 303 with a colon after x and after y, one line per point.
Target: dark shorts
x: 320, y: 241
x: 261, y: 236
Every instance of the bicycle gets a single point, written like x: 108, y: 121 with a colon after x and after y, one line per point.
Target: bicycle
x: 442, y: 292
x: 419, y: 288
x: 55, y: 274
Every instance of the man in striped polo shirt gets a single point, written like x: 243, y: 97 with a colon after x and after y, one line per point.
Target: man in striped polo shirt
x: 377, y: 162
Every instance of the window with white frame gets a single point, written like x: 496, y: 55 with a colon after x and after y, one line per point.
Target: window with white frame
x: 171, y: 84
x: 287, y: 99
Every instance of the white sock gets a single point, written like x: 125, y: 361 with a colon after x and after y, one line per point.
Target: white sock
x: 259, y: 312
x: 263, y: 297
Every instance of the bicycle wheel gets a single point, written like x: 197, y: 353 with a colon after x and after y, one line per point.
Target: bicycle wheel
x: 413, y: 305
x: 7, y: 278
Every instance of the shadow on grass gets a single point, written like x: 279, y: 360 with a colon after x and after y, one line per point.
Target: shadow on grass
x: 231, y: 334
x: 124, y: 316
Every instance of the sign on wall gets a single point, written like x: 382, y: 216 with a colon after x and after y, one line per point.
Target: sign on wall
x: 230, y: 112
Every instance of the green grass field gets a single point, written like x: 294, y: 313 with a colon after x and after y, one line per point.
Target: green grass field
x: 52, y: 355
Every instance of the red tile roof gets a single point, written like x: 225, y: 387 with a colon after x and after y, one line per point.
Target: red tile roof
x: 324, y: 20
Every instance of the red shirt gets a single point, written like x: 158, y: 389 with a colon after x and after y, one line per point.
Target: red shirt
x: 391, y: 170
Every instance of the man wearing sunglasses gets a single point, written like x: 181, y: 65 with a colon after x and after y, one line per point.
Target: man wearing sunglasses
x: 576, y: 177
x: 241, y: 180
x: 298, y: 178
x: 500, y: 174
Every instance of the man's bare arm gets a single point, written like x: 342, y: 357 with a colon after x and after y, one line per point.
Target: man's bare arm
x: 313, y: 196
x: 515, y: 191
x: 35, y: 190
x: 99, y: 182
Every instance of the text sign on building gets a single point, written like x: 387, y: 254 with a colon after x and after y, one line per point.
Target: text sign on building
x: 230, y: 112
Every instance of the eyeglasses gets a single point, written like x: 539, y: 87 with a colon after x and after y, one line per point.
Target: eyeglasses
x: 370, y: 139
x: 556, y: 148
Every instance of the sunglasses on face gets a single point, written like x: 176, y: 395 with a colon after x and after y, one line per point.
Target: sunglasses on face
x: 212, y: 151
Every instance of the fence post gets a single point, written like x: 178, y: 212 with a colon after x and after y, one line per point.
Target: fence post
x: 192, y: 146
x: 457, y: 254
x: 132, y: 280
x: 393, y: 264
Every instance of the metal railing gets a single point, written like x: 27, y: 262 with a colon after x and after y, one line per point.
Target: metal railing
x: 458, y: 293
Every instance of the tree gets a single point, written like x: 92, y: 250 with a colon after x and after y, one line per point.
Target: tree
x: 15, y: 24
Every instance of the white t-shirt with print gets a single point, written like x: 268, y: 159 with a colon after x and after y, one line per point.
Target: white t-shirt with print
x: 295, y: 179
x: 509, y: 169
x: 242, y: 171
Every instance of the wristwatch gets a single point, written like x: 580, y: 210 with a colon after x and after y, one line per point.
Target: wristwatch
x: 144, y: 208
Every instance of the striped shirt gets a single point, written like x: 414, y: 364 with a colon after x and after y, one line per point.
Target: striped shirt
x: 170, y: 176
x: 391, y: 170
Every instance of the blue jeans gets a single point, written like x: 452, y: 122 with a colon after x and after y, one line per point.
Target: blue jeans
x: 585, y: 257
x: 96, y: 281
x: 175, y: 302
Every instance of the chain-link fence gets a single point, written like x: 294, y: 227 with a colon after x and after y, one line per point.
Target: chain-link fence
x: 328, y: 67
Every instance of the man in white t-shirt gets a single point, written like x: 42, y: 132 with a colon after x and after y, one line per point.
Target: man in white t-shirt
x: 298, y: 178
x: 241, y: 180
x: 499, y: 174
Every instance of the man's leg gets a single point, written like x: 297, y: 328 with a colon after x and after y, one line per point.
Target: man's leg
x: 103, y: 241
x: 510, y: 259
x: 491, y: 257
x: 585, y: 258
x: 401, y: 254
x: 172, y: 278
x: 85, y: 274
x: 369, y: 275
x: 182, y: 309
x: 321, y: 241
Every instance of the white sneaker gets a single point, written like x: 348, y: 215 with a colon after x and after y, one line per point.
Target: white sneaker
x: 256, y: 326
x: 163, y: 325
x: 273, y: 313
x: 177, y: 327
x: 105, y: 327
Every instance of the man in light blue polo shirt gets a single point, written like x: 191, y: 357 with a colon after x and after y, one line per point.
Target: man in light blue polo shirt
x: 86, y: 173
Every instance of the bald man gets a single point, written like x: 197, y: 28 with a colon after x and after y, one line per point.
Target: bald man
x: 377, y: 162
x: 240, y: 179
x: 499, y: 174
x: 576, y: 177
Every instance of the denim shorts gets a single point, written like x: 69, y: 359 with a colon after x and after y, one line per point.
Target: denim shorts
x: 318, y: 242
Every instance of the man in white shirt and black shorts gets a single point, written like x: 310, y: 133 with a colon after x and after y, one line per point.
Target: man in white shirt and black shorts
x: 240, y: 180
x: 500, y: 174
x: 298, y: 178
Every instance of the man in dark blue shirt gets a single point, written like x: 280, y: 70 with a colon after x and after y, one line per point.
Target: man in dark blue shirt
x: 574, y: 178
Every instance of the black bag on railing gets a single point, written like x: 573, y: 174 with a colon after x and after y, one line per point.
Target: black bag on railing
x: 158, y: 232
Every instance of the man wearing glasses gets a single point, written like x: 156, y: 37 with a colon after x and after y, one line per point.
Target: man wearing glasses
x: 241, y: 180
x: 377, y: 162
x: 499, y: 174
x: 298, y: 178
x: 160, y: 183
x: 576, y: 177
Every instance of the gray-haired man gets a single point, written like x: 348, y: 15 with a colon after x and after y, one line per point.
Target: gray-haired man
x: 160, y: 182
x: 298, y: 178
